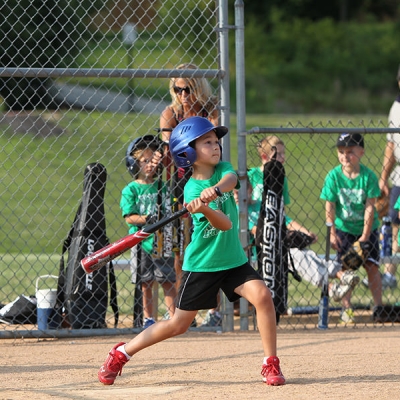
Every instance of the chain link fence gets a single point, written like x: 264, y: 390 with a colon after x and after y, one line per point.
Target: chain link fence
x: 309, y: 154
x: 78, y: 82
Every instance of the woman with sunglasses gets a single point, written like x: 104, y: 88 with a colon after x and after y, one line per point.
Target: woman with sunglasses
x: 191, y: 97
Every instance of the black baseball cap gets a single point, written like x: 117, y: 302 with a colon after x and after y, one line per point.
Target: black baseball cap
x: 350, y: 139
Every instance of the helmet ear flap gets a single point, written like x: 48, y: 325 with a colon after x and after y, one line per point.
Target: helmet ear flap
x: 133, y: 166
x: 188, y: 157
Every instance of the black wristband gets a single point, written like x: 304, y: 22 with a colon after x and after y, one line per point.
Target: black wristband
x: 218, y: 191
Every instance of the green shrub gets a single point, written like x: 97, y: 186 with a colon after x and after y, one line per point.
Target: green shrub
x: 304, y: 66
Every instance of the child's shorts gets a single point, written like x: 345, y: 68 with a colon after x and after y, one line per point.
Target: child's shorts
x: 347, y: 240
x: 161, y: 270
x: 199, y: 290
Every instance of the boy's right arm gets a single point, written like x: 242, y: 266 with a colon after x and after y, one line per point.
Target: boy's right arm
x: 330, y: 212
x: 388, y: 164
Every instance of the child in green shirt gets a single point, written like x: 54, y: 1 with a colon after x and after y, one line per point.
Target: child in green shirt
x: 138, y: 204
x: 350, y: 191
x: 214, y: 259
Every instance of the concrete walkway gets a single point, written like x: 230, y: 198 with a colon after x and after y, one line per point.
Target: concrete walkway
x: 89, y: 98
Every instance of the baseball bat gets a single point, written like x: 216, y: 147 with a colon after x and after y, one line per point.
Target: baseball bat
x: 101, y: 257
x: 323, y: 307
x: 158, y: 247
x: 138, y: 295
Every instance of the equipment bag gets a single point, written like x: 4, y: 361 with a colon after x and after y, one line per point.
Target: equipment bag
x: 84, y: 297
x: 21, y: 311
x: 272, y: 258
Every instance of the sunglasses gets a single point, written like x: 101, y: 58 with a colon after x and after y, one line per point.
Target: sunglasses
x: 179, y: 90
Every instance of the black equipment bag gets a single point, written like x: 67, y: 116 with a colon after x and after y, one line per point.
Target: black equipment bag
x: 272, y: 251
x: 84, y: 297
x: 21, y: 311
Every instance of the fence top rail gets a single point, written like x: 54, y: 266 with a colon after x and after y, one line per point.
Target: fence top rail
x: 109, y: 73
x: 311, y: 130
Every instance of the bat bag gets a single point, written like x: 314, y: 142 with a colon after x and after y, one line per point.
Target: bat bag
x: 272, y: 252
x: 84, y: 297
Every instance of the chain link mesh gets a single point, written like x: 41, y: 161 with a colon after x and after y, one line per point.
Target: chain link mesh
x: 310, y: 153
x: 79, y: 80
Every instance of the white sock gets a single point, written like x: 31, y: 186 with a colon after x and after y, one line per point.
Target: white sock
x: 266, y: 360
x: 122, y: 350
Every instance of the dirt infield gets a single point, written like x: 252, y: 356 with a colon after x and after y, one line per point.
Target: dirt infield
x: 336, y: 364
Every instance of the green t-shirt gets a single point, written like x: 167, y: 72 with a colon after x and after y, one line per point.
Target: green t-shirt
x: 139, y: 198
x: 256, y: 178
x: 350, y: 196
x: 397, y: 205
x: 210, y: 249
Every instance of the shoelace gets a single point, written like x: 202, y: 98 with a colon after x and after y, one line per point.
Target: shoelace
x: 270, y: 369
x: 117, y: 364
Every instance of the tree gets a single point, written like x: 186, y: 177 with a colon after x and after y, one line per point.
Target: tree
x: 39, y: 34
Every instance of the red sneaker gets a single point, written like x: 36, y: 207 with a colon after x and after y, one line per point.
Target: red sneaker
x: 112, y: 366
x: 271, y: 372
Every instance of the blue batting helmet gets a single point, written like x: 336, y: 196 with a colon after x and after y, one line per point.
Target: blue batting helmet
x: 140, y: 143
x: 183, y: 136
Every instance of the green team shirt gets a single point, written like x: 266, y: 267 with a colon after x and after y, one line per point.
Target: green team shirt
x: 256, y: 178
x: 210, y: 249
x: 139, y: 198
x: 350, y: 196
x: 397, y: 205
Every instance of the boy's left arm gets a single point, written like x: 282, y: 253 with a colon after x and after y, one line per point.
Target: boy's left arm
x: 368, y: 219
x: 227, y: 183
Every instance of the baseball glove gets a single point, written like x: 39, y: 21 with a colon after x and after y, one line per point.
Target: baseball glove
x: 362, y: 249
x: 351, y: 260
x: 297, y: 239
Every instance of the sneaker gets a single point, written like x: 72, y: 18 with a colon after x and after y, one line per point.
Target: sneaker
x: 271, y: 372
x: 166, y: 316
x: 389, y: 281
x: 338, y: 291
x: 148, y: 322
x: 350, y: 278
x: 347, y: 316
x: 378, y: 314
x: 212, y: 319
x: 193, y: 323
x: 112, y: 366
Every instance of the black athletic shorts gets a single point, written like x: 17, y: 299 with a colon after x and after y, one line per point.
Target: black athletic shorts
x: 199, y: 290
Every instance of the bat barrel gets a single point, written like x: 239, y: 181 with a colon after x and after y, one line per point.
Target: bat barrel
x: 101, y: 257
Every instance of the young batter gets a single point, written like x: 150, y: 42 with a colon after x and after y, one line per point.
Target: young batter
x: 214, y: 259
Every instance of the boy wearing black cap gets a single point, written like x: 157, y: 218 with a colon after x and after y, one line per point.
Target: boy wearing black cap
x: 350, y: 191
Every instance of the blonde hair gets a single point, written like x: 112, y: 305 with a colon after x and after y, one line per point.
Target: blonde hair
x: 201, y: 89
x: 264, y: 146
x: 138, y: 153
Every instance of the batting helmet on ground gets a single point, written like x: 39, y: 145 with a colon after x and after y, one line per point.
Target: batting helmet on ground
x: 183, y: 136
